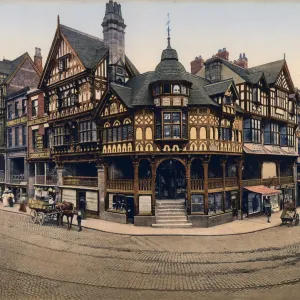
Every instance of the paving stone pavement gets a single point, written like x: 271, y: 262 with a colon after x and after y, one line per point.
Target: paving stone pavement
x: 47, y: 262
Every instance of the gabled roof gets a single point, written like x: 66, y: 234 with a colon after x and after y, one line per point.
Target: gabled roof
x: 271, y: 70
x: 219, y: 87
x: 131, y: 67
x: 8, y: 67
x: 123, y: 92
x: 19, y: 92
x: 89, y: 49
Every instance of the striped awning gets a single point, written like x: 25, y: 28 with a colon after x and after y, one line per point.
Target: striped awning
x: 261, y: 189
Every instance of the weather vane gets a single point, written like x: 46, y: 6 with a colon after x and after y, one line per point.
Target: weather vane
x: 168, y: 24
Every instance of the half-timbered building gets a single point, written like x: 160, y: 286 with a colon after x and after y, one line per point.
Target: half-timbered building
x: 267, y: 95
x: 74, y: 82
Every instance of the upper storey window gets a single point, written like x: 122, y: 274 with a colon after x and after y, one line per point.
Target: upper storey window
x: 62, y: 64
x: 281, y: 99
x: 167, y: 88
x: 172, y: 125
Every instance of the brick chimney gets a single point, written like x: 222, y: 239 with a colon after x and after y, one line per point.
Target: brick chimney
x: 223, y: 53
x: 197, y: 64
x: 242, y: 61
x: 38, y: 59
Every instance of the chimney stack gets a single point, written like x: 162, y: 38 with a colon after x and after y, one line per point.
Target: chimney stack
x: 197, y: 64
x: 38, y: 59
x: 223, y: 53
x: 242, y: 61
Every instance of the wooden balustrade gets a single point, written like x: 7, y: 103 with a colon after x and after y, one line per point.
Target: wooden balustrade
x: 145, y: 185
x: 52, y: 180
x: 40, y: 179
x: 269, y: 181
x: 197, y: 184
x: 231, y: 182
x: 17, y: 178
x: 120, y: 184
x: 215, y: 183
x: 79, y: 180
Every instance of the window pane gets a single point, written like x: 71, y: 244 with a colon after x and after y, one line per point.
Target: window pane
x: 176, y: 117
x: 167, y: 117
x: 211, y: 203
x: 125, y: 133
x: 176, y: 131
x: 218, y: 197
x: 167, y: 131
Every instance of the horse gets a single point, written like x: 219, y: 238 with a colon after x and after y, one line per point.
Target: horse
x: 65, y: 209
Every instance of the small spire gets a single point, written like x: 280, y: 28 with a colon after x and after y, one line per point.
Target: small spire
x: 168, y: 23
x: 284, y: 56
x: 58, y: 21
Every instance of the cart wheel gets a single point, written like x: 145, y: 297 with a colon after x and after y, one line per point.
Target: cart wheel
x: 297, y: 220
x: 41, y: 218
x: 33, y: 216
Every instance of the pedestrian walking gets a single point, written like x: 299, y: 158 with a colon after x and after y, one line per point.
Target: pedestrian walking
x: 79, y: 218
x: 268, y: 208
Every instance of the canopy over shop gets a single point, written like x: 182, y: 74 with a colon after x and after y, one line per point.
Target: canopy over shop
x: 254, y: 196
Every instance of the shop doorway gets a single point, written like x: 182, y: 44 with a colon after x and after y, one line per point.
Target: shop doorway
x: 171, y: 180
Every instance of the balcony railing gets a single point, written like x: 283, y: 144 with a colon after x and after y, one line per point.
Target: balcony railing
x: 48, y: 180
x: 215, y: 183
x: 79, y: 180
x: 231, y: 182
x: 17, y: 178
x: 120, y: 184
x: 269, y: 181
x: 197, y: 184
x: 145, y: 184
x: 2, y: 178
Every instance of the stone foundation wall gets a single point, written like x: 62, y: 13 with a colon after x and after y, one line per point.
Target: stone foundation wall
x: 114, y: 217
x: 205, y: 221
x: 144, y: 220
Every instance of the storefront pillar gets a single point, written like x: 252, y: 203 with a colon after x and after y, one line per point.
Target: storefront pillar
x: 188, y: 177
x: 223, y: 163
x: 240, y: 183
x: 136, y: 186
x: 45, y: 172
x: 153, y: 182
x: 278, y: 171
x: 101, y: 186
x: 34, y: 173
x: 205, y: 184
x: 60, y: 170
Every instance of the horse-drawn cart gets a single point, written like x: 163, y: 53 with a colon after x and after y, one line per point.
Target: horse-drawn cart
x: 42, y: 211
x: 289, y: 214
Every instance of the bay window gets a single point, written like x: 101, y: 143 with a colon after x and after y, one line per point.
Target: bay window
x: 225, y: 134
x: 87, y: 131
x: 286, y: 136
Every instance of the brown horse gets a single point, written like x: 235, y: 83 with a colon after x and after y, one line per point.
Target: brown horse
x: 65, y: 209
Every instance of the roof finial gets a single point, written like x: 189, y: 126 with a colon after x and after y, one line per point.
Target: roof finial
x: 284, y: 56
x: 168, y: 23
x: 58, y: 21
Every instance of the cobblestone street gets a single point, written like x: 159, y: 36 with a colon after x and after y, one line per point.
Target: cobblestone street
x: 46, y: 262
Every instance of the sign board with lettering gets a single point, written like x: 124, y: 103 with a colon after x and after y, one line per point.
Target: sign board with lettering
x: 39, y: 142
x: 92, y: 201
x: 69, y: 195
x: 145, y: 204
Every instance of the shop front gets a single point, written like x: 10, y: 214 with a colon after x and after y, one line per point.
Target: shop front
x: 254, y: 199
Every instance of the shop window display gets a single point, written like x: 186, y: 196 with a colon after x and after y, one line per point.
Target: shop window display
x: 198, y: 203
x: 215, y: 203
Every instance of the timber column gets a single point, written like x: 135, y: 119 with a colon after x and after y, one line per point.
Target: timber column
x: 101, y: 194
x: 153, y: 181
x: 136, y: 186
x: 205, y: 184
x: 60, y: 169
x: 240, y: 183
x: 188, y: 177
x: 224, y: 181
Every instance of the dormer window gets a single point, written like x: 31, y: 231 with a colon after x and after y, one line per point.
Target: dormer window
x: 183, y: 90
x: 157, y: 90
x: 166, y: 89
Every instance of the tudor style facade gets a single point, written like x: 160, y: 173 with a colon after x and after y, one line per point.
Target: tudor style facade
x: 15, y: 75
x: 74, y: 82
x: 267, y: 95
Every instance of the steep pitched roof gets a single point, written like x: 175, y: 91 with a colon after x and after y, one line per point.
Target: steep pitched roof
x: 218, y: 87
x: 89, y: 49
x: 132, y: 69
x: 8, y: 67
x: 271, y: 70
x: 123, y: 92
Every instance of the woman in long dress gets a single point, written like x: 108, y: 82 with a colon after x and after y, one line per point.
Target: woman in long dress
x: 4, y: 198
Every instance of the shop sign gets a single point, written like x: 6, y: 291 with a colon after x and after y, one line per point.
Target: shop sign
x: 69, y: 195
x: 40, y: 155
x: 145, y: 204
x: 17, y: 121
x: 39, y: 142
x: 38, y: 121
x: 92, y: 201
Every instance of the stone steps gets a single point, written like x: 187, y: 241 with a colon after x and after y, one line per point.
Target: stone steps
x: 171, y: 214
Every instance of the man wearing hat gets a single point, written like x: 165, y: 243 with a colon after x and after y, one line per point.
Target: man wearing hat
x: 10, y: 198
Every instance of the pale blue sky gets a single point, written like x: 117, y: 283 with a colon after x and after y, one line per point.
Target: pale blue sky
x: 263, y: 30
